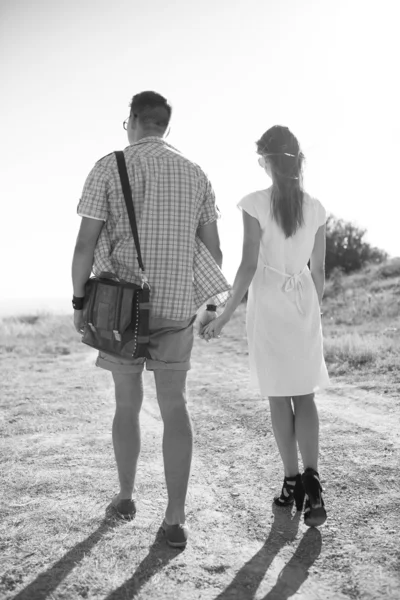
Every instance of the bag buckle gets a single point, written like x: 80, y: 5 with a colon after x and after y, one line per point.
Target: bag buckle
x: 117, y: 335
x: 145, y: 281
x: 92, y: 327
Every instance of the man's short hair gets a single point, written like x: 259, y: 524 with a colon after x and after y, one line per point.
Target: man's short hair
x: 152, y: 110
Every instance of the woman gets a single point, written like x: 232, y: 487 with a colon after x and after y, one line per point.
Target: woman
x: 284, y: 228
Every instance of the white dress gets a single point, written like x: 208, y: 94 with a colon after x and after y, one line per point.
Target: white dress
x: 283, y: 314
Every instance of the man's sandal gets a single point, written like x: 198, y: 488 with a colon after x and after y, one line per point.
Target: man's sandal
x: 124, y: 508
x: 175, y: 535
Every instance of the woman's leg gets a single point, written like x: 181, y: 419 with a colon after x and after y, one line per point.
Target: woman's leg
x: 282, y: 418
x: 307, y: 432
x: 306, y: 424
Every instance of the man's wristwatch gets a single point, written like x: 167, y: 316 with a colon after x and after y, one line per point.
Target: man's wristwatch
x: 77, y: 302
x: 211, y: 308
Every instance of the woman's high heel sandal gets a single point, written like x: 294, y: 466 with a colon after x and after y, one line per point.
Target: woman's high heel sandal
x: 314, y: 510
x: 292, y: 491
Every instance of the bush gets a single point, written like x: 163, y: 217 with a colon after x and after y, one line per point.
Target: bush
x: 336, y: 276
x: 345, y: 248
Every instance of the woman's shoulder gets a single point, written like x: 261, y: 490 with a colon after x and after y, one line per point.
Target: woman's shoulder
x: 257, y: 197
x: 316, y: 206
x: 261, y: 194
x: 311, y: 200
x: 256, y: 202
x: 308, y: 199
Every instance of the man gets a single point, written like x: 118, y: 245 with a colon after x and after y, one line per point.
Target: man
x: 177, y: 222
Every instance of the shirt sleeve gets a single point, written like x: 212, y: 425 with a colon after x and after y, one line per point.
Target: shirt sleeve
x: 93, y: 202
x: 209, y: 211
x: 321, y: 214
x: 247, y: 204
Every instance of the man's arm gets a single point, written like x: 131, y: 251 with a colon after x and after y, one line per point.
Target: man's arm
x: 210, y: 238
x: 82, y: 261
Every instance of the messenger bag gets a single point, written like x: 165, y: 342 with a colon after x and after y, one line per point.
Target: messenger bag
x: 116, y: 313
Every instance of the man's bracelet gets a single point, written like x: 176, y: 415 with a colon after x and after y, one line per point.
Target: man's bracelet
x: 77, y: 302
x: 211, y: 308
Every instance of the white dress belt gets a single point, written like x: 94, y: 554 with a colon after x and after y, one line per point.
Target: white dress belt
x: 293, y: 283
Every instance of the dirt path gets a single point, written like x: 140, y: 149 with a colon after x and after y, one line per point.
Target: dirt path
x: 357, y: 555
x: 60, y: 476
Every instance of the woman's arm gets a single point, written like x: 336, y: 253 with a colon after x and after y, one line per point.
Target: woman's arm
x: 248, y: 265
x: 317, y: 262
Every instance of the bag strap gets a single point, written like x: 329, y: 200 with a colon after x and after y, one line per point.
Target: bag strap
x: 126, y: 188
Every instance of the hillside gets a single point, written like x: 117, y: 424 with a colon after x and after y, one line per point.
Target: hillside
x: 361, y: 324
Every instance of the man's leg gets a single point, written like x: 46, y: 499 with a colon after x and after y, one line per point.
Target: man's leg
x: 126, y: 428
x: 177, y: 440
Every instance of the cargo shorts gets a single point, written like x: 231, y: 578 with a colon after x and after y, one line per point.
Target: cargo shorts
x: 170, y: 347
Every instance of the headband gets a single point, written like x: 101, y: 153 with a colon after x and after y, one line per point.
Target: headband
x: 279, y: 154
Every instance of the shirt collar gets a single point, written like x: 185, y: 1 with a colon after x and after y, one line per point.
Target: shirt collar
x: 150, y: 138
x: 153, y: 139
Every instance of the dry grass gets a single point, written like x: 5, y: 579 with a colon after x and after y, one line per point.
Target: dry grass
x: 350, y: 348
x: 41, y: 332
x: 361, y: 323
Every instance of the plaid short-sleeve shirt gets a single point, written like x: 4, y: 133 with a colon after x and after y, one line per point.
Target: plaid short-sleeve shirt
x: 172, y: 197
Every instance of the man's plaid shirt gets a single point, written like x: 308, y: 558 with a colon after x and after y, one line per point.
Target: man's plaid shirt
x: 172, y: 197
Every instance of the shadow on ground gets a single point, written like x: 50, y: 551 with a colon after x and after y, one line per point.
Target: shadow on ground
x: 283, y: 531
x: 46, y: 583
x: 158, y: 556
x: 243, y: 587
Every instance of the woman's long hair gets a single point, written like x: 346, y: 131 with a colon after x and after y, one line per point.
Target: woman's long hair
x: 281, y: 148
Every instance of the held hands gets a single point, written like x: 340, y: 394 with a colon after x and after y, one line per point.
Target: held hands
x: 203, y: 319
x: 213, y: 328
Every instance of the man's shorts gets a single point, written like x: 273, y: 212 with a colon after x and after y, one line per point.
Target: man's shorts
x: 170, y: 347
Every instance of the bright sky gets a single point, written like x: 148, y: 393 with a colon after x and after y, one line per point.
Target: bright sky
x: 231, y: 68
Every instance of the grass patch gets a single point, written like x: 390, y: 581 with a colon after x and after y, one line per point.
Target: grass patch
x: 361, y: 325
x: 352, y: 349
x: 366, y: 300
x: 43, y: 332
x: 390, y: 268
